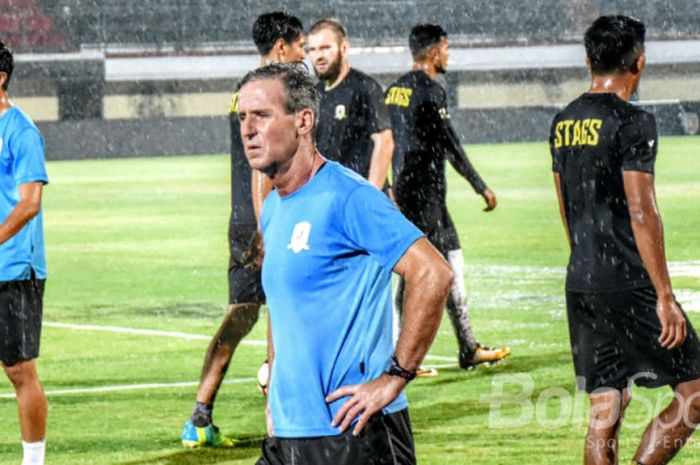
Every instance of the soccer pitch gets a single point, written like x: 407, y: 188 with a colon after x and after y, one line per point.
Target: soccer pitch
x: 137, y: 252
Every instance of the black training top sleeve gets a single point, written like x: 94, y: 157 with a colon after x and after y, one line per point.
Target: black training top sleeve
x: 638, y: 142
x: 376, y: 112
x: 450, y: 142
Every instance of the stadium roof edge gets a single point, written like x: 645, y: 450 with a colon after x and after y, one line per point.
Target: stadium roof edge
x: 138, y: 64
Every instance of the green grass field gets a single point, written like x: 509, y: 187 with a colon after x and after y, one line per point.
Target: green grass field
x: 141, y: 244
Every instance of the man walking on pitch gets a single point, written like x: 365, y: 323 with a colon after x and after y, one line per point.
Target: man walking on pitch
x: 331, y: 243
x: 424, y: 139
x: 279, y: 37
x: 353, y: 123
x: 22, y: 262
x: 624, y: 322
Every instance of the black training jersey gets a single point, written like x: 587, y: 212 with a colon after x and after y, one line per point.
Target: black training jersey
x: 241, y: 197
x: 424, y: 138
x: 348, y: 115
x: 593, y: 140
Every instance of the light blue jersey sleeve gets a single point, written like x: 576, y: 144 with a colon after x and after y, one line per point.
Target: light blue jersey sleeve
x: 29, y: 164
x: 375, y: 225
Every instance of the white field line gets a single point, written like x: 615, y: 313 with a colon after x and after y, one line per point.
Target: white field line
x: 143, y: 332
x: 128, y: 387
x: 440, y: 358
x: 180, y: 335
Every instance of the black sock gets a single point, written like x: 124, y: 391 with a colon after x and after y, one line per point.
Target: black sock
x: 201, y: 415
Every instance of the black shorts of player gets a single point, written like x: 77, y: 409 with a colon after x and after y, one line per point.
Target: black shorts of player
x: 21, y: 308
x: 385, y: 440
x: 438, y: 227
x: 244, y: 284
x: 614, y: 341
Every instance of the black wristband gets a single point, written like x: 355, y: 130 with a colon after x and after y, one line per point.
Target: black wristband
x: 394, y: 369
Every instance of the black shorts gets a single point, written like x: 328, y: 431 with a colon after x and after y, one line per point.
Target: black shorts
x: 437, y: 225
x: 385, y: 440
x: 614, y: 341
x: 244, y: 284
x: 21, y: 304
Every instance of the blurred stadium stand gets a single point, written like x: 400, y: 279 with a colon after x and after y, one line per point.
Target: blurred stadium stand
x: 167, y: 67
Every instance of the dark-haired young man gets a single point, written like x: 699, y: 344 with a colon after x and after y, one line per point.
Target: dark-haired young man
x: 425, y: 139
x: 353, y: 124
x: 279, y: 37
x: 22, y: 262
x: 624, y: 322
x: 332, y: 241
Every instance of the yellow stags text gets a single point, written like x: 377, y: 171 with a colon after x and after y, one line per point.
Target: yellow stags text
x: 571, y: 132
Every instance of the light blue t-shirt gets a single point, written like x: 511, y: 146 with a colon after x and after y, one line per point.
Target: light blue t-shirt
x: 21, y: 161
x: 330, y: 248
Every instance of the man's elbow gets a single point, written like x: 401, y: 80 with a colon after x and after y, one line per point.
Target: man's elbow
x: 389, y: 145
x: 440, y: 275
x: 640, y: 216
x: 32, y: 208
x: 448, y: 277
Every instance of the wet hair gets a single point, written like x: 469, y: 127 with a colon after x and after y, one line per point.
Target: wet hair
x: 332, y: 24
x: 7, y: 63
x: 423, y: 37
x: 269, y: 27
x: 613, y: 44
x: 299, y: 87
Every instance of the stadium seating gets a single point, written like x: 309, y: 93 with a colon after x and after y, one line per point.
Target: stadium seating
x: 25, y: 26
x: 36, y: 25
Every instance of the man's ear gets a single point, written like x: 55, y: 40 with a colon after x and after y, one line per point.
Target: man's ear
x: 639, y: 63
x: 305, y: 121
x: 434, y: 55
x: 3, y: 79
x: 279, y: 48
x: 588, y: 63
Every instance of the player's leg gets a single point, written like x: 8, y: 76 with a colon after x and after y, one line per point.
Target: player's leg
x: 200, y: 429
x: 31, y: 401
x: 471, y: 353
x: 238, y: 323
x: 601, y: 366
x: 458, y: 308
x: 245, y: 298
x: 20, y: 332
x: 605, y: 419
x: 657, y: 366
x: 669, y: 432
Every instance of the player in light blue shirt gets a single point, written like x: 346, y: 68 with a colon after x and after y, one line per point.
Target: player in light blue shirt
x: 22, y: 262
x: 331, y: 243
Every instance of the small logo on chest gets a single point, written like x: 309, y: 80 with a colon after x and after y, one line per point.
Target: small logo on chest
x: 340, y: 112
x: 300, y: 237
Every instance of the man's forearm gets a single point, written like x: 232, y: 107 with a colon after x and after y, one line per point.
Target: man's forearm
x: 23, y: 212
x: 649, y: 235
x: 380, y: 162
x: 426, y: 294
x: 648, y: 229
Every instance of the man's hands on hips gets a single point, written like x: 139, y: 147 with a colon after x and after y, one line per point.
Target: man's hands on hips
x: 490, y: 199
x: 673, y: 324
x: 365, y: 399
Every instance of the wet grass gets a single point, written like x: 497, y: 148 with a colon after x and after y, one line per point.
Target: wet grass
x: 141, y: 243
